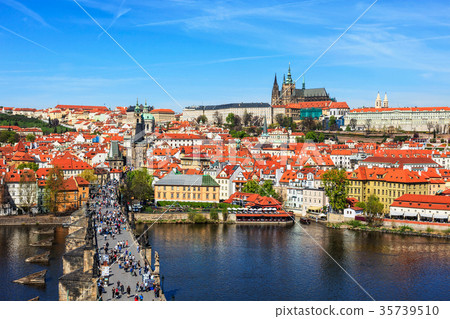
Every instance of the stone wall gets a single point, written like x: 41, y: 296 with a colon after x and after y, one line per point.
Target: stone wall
x: 170, y: 216
x: 73, y: 260
x: 33, y: 220
x: 421, y: 226
x: 77, y: 282
x: 335, y: 218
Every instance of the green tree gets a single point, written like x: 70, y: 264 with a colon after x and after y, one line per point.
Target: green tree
x: 53, y: 186
x: 332, y: 123
x: 251, y: 187
x: 311, y: 136
x: 321, y: 138
x: 139, y: 184
x: 266, y: 189
x: 373, y: 210
x: 31, y: 137
x: 335, y: 183
x: 9, y: 137
x: 32, y: 166
x: 202, y: 119
x: 238, y: 134
x: 247, y: 118
x: 230, y: 119
x: 308, y: 124
x: 361, y: 205
x: 348, y: 129
x: 89, y: 175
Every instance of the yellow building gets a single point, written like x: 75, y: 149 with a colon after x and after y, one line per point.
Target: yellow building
x: 163, y: 115
x: 386, y: 184
x: 187, y: 188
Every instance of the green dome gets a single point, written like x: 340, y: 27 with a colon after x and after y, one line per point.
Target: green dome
x: 147, y: 117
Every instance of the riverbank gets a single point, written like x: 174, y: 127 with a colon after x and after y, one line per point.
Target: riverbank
x: 17, y: 220
x: 402, y: 230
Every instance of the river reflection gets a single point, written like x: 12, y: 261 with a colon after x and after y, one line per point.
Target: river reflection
x: 237, y: 262
x: 15, y: 248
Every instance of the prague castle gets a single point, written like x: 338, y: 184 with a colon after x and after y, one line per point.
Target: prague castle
x: 290, y: 94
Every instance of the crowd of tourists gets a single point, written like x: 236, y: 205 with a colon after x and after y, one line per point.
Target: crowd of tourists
x: 110, y: 222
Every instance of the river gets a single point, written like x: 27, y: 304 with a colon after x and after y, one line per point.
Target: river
x: 237, y: 262
x: 15, y: 248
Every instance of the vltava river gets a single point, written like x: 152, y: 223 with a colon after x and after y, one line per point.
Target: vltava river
x: 237, y: 262
x: 14, y: 249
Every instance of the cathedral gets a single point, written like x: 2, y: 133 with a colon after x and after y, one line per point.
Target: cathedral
x: 143, y: 122
x: 290, y: 94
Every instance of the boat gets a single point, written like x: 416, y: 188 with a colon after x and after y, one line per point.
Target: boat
x: 304, y: 221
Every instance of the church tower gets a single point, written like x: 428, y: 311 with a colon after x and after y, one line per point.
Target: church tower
x: 385, y: 101
x: 275, y: 92
x: 288, y: 88
x: 378, y: 101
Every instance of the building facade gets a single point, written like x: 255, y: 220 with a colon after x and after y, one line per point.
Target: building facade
x: 422, y: 119
x: 212, y: 112
x: 187, y: 188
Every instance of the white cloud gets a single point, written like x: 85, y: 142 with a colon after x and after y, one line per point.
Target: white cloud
x: 25, y: 10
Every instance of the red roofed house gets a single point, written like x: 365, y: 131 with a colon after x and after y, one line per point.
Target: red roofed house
x: 21, y: 190
x: 70, y: 165
x: 257, y: 209
x: 421, y: 208
x: 73, y: 193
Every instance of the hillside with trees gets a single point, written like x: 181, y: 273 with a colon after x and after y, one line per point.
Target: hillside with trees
x: 52, y: 126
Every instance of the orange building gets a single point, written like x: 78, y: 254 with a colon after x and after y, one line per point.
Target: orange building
x: 73, y: 193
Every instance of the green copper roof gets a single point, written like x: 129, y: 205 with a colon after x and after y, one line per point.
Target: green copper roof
x: 148, y: 116
x: 208, y: 181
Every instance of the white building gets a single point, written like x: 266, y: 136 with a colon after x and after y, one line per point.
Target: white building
x: 262, y: 110
x: 225, y: 180
x: 434, y: 208
x: 410, y: 119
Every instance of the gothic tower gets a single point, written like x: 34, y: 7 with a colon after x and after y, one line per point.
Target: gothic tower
x: 288, y: 88
x: 275, y: 92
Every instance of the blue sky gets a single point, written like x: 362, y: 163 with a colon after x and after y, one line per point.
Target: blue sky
x: 213, y: 52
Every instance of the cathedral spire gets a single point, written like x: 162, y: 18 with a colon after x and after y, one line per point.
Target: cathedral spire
x: 275, y: 81
x: 303, y: 85
x: 289, y: 78
x: 385, y: 101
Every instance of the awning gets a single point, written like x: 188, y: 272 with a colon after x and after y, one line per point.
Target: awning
x: 315, y: 208
x: 440, y: 216
x: 396, y: 214
x: 426, y: 215
x: 410, y: 214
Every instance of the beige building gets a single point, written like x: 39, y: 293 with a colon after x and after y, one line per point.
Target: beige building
x: 382, y: 117
x: 211, y: 112
x: 163, y: 115
x: 187, y: 188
